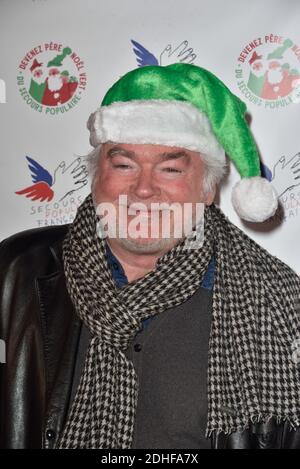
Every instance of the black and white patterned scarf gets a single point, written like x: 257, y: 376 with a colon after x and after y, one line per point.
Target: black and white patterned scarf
x: 252, y: 376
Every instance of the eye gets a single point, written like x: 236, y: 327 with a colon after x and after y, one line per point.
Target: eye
x: 172, y: 170
x: 122, y: 166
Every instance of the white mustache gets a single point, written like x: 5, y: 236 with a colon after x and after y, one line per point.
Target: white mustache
x: 135, y: 209
x: 141, y: 206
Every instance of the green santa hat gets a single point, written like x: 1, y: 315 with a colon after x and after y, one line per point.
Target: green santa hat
x: 186, y: 106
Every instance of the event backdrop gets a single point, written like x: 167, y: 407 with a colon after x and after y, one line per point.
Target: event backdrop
x: 59, y: 57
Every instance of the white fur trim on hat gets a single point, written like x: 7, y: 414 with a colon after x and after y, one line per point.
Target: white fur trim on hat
x: 162, y: 122
x: 254, y: 199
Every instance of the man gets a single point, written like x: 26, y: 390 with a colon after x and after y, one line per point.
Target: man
x: 150, y: 341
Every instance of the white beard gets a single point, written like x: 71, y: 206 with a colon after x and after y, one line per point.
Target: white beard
x: 39, y: 80
x: 54, y: 83
x: 275, y: 76
x: 259, y: 72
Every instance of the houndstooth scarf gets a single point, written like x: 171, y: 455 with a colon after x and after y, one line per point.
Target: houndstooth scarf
x: 252, y: 376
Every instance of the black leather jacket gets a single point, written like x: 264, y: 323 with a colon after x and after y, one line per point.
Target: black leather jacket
x: 41, y: 332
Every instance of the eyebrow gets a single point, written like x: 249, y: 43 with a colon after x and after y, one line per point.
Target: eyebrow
x: 163, y: 156
x: 119, y: 151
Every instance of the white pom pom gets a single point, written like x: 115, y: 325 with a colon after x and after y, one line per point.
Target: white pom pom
x: 254, y: 199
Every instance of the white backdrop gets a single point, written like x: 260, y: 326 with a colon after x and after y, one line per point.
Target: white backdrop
x: 254, y: 47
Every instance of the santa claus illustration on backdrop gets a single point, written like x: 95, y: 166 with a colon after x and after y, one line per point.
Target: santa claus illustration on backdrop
x: 52, y: 85
x: 272, y: 77
x: 59, y: 87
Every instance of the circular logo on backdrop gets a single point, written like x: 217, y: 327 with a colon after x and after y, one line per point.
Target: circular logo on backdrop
x: 268, y: 71
x: 51, y: 78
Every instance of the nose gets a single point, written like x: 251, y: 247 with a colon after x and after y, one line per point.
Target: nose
x: 145, y: 186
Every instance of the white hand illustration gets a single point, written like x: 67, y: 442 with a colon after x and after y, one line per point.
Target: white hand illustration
x: 68, y: 179
x: 286, y: 174
x: 295, y: 94
x: 182, y: 53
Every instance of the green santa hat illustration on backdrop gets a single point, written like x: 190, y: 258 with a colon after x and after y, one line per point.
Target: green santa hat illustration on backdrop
x: 187, y: 106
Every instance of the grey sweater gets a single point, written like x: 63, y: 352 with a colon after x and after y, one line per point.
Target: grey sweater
x: 170, y: 357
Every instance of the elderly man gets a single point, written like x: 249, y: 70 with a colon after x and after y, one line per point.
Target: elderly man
x: 126, y: 339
